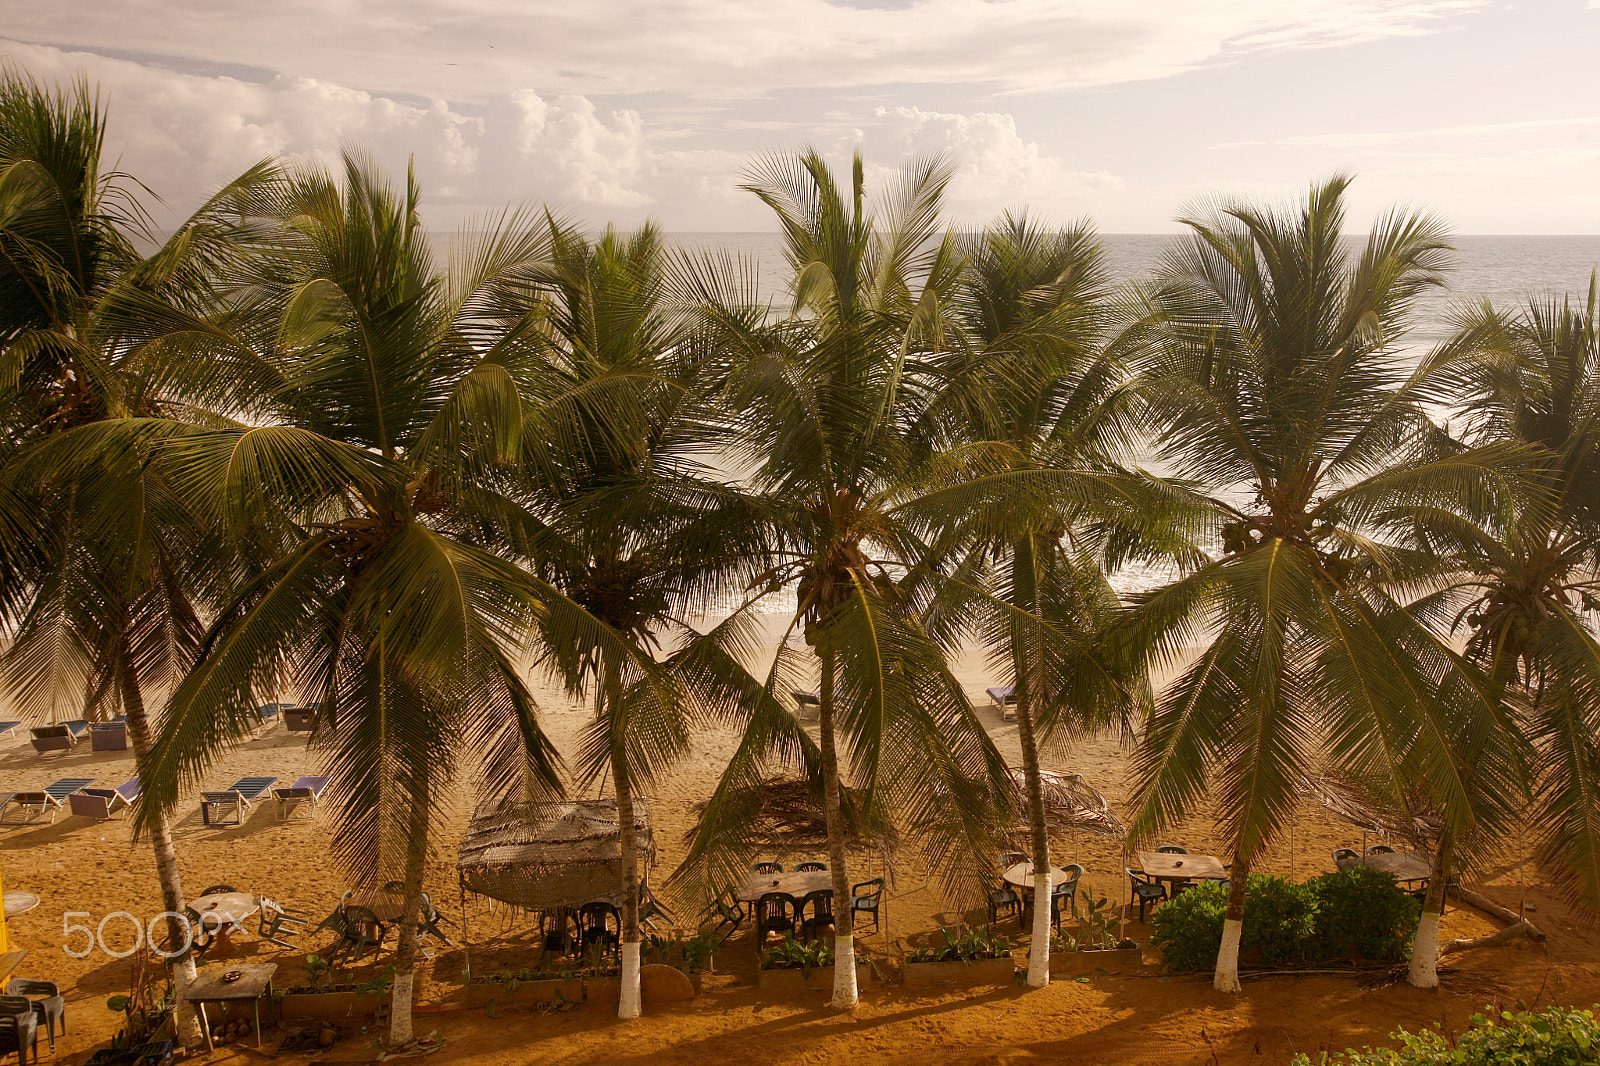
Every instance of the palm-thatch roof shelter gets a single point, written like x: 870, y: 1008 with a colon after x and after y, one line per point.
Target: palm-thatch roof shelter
x: 1376, y: 810
x: 1069, y: 805
x: 546, y: 856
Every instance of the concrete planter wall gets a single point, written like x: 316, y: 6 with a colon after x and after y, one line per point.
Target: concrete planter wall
x: 980, y: 971
x: 526, y: 994
x: 1067, y: 963
x: 820, y: 978
x: 301, y: 1005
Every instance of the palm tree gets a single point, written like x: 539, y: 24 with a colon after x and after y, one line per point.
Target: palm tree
x: 107, y: 570
x: 1269, y: 358
x: 407, y: 406
x: 636, y: 532
x: 1029, y: 394
x: 1527, y: 581
x: 821, y: 406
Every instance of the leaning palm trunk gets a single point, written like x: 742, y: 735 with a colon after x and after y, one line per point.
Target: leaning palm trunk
x: 845, y: 994
x: 1424, y: 971
x: 1226, y: 978
x: 405, y: 952
x: 178, y: 931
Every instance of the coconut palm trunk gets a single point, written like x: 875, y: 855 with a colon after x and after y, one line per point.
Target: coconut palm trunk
x: 166, y: 854
x: 630, y: 1004
x: 405, y: 952
x: 845, y: 993
x: 1039, y: 833
x: 1424, y: 970
x: 1226, y: 976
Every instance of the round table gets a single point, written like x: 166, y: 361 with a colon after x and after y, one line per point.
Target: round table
x: 19, y: 903
x: 1021, y: 875
x: 222, y: 909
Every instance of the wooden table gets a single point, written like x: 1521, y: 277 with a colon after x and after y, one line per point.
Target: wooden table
x: 254, y: 983
x: 19, y: 903
x: 1166, y: 866
x: 9, y: 961
x: 1401, y: 865
x: 790, y: 884
x: 1021, y: 875
x: 222, y: 912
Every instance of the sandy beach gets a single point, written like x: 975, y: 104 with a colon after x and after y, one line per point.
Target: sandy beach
x: 75, y: 865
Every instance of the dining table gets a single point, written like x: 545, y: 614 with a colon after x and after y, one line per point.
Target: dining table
x: 231, y: 982
x: 796, y: 883
x: 16, y: 903
x: 223, y: 912
x: 1021, y: 875
x: 1178, y: 867
x: 1407, y: 867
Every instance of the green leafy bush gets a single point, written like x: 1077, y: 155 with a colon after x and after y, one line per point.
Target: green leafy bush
x: 1279, y: 920
x: 1556, y: 1037
x: 963, y: 947
x: 1358, y: 914
x: 1188, y: 930
x: 1364, y: 915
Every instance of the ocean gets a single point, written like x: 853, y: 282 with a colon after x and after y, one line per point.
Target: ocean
x: 1503, y: 268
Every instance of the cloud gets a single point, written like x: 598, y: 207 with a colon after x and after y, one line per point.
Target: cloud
x: 996, y: 166
x: 715, y: 49
x: 1376, y: 138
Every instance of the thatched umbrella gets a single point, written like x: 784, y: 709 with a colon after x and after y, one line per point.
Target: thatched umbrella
x: 785, y: 815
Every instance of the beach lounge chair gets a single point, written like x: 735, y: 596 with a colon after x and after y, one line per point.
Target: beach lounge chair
x: 268, y: 713
x: 235, y: 799
x: 9, y: 729
x: 109, y: 736
x: 301, y: 719
x: 102, y: 803
x: 31, y: 807
x: 1005, y: 701
x: 807, y: 700
x: 305, y: 790
x: 63, y: 736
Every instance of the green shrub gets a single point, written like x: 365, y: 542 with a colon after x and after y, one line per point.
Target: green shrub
x: 1188, y: 930
x: 1556, y: 1037
x: 1279, y: 920
x: 1363, y: 915
x: 1357, y: 914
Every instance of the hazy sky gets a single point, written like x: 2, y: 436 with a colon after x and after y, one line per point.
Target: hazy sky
x: 621, y: 109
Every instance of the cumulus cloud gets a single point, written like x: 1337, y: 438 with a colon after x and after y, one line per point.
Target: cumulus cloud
x: 184, y: 133
x: 996, y: 166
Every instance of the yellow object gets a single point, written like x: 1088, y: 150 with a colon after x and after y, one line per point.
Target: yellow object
x: 5, y: 938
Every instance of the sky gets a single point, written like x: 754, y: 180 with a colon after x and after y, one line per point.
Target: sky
x: 619, y: 110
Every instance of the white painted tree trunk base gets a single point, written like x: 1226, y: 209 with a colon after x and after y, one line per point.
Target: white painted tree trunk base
x: 1039, y: 950
x: 1227, y: 975
x: 845, y: 993
x: 630, y: 1005
x: 184, y: 1020
x: 400, y: 1010
x: 1424, y: 972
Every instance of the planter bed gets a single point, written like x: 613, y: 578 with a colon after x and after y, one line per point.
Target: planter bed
x: 980, y: 971
x: 295, y: 1006
x: 1067, y: 963
x: 794, y: 979
x: 526, y: 993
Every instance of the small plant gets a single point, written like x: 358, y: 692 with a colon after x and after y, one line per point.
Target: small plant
x: 963, y: 947
x: 1555, y: 1037
x: 319, y: 970
x: 697, y: 951
x: 795, y: 954
x: 379, y: 982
